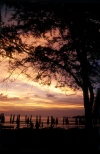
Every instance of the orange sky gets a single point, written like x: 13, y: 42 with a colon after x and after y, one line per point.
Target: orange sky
x: 20, y: 95
x: 27, y: 97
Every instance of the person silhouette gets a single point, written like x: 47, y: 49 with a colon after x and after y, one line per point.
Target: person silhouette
x: 67, y: 121
x: 37, y: 125
x: 31, y: 125
x: 18, y: 121
x: 11, y: 118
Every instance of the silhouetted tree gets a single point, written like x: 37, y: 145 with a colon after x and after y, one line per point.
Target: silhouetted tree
x: 96, y: 110
x: 71, y: 55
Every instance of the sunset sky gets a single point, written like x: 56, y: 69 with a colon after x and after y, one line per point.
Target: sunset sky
x: 26, y: 97
x: 20, y: 95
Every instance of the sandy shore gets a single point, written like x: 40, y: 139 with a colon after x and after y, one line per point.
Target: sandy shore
x: 49, y: 141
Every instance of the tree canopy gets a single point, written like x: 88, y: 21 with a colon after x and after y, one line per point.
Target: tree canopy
x: 71, y: 52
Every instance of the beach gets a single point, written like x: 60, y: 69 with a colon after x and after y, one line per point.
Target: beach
x: 48, y: 141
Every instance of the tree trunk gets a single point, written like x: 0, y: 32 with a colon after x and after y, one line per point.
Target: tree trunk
x: 91, y: 95
x: 87, y: 88
x: 87, y: 95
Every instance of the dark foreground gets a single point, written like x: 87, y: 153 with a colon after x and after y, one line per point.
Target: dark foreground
x: 49, y: 141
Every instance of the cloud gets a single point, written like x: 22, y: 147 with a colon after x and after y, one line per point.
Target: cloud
x: 23, y: 95
x: 50, y: 96
x: 6, y: 98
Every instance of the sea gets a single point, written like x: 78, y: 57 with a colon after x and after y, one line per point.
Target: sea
x: 45, y: 122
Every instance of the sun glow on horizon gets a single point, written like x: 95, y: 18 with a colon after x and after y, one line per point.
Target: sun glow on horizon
x: 25, y: 95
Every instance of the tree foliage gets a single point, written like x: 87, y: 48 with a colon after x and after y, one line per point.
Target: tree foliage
x: 72, y: 50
